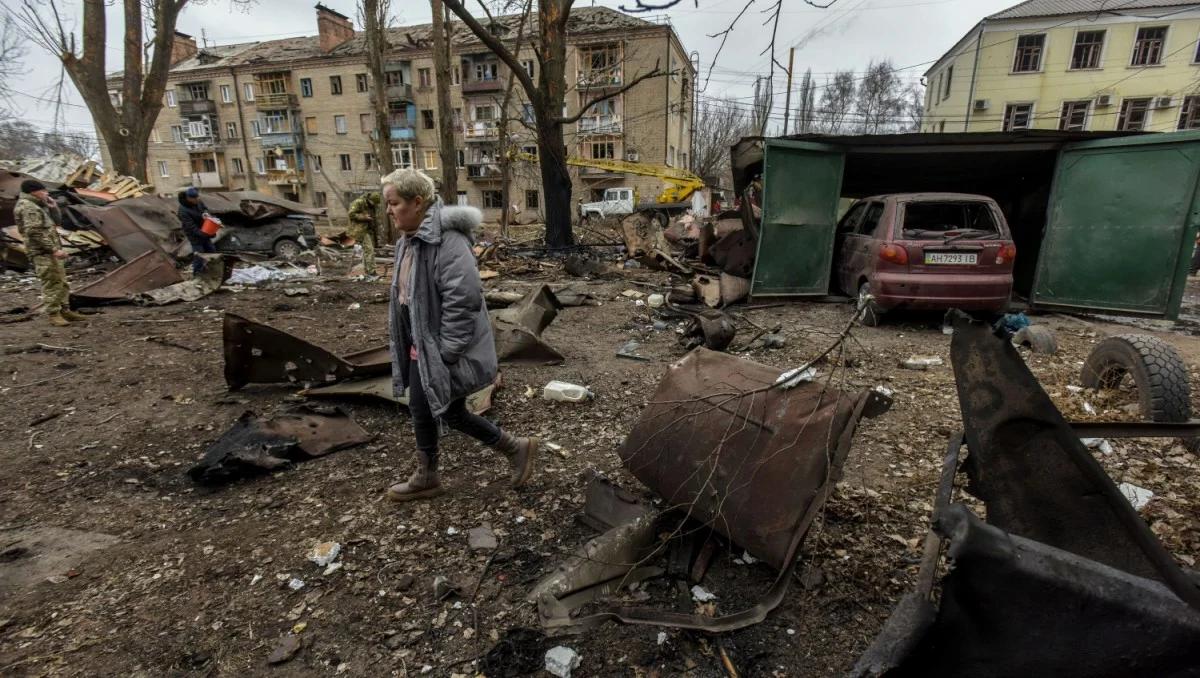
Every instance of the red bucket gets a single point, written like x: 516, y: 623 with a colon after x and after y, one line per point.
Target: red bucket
x: 210, y: 227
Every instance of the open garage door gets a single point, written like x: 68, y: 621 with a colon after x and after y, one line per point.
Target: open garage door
x: 803, y: 182
x: 1120, y: 225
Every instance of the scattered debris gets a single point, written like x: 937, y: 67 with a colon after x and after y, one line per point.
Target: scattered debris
x: 561, y: 661
x: 774, y: 341
x: 150, y: 270
x: 517, y: 653
x: 1100, y: 444
x: 260, y: 354
x: 325, y: 553
x: 1037, y: 338
x: 287, y: 648
x: 481, y: 538
x: 215, y: 273
x: 922, y: 362
x: 518, y: 328
x: 702, y: 595
x: 629, y: 350
x: 257, y: 445
x: 656, y: 301
x: 711, y: 329
x: 1138, y: 496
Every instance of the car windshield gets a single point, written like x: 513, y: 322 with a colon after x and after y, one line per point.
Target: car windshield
x: 949, y: 220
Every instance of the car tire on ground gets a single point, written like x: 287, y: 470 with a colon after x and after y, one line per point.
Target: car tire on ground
x: 287, y: 249
x: 1159, y: 374
x: 871, y: 316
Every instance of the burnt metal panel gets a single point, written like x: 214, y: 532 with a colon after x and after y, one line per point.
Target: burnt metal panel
x: 260, y: 354
x: 518, y: 328
x: 150, y: 270
x: 1121, y: 225
x: 121, y: 230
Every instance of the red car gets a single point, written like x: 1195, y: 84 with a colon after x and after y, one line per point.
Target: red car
x: 931, y: 251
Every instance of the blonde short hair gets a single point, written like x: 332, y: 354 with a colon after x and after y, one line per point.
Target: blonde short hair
x: 410, y: 183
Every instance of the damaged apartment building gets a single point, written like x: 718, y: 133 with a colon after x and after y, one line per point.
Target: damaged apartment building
x: 294, y: 117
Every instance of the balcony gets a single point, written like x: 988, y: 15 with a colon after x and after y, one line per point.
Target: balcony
x: 396, y: 93
x: 483, y: 171
x: 266, y: 101
x: 398, y: 133
x: 599, y: 79
x: 281, y: 140
x: 284, y: 177
x: 600, y: 124
x: 197, y: 107
x: 482, y: 130
x: 202, y: 144
x: 482, y: 86
x: 207, y: 180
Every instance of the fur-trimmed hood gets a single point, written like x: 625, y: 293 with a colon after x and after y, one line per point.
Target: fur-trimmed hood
x: 442, y: 217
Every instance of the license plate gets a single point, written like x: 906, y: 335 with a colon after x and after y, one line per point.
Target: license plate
x: 951, y: 258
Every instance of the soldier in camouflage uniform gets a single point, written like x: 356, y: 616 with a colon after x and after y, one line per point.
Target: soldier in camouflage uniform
x: 362, y: 228
x: 37, y: 220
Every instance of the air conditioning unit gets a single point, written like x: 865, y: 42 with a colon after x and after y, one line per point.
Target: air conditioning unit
x: 631, y: 156
x: 982, y: 104
x: 1104, y: 100
x: 1163, y: 102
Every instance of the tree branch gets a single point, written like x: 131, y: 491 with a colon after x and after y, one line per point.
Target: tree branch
x: 496, y: 46
x: 653, y: 73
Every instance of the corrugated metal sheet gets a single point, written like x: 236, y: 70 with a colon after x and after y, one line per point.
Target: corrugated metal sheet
x: 1040, y: 8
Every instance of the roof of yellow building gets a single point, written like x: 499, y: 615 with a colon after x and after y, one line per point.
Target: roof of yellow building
x: 1040, y: 8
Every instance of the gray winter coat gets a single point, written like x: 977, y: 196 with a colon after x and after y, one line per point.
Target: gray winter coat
x: 452, y: 332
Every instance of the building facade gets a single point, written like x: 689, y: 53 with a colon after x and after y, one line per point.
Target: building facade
x: 1071, y: 65
x: 295, y: 117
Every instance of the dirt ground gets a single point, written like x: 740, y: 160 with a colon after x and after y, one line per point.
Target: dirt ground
x: 113, y: 562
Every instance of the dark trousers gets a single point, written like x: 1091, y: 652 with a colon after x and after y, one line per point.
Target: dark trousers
x: 456, y: 416
x: 201, y: 244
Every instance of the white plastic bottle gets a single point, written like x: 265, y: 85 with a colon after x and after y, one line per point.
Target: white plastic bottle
x: 565, y: 392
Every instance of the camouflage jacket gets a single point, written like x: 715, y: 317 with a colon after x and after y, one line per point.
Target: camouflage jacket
x: 38, y: 225
x: 362, y: 210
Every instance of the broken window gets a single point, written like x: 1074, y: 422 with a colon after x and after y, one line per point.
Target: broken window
x: 360, y: 82
x: 239, y: 168
x: 335, y: 84
x: 487, y: 70
x: 932, y: 220
x: 344, y: 161
x: 423, y: 78
x: 870, y: 219
x: 600, y: 66
x: 1087, y: 49
x: 493, y: 199
x: 402, y: 156
x: 1133, y: 115
x: 426, y: 119
x: 1189, y: 113
x: 177, y: 133
x: 197, y: 91
x: 461, y: 161
x: 369, y: 163
x: 306, y: 87
x: 1148, y: 48
x: 1017, y: 116
x: 1029, y: 53
x: 394, y: 78
x: 317, y: 163
x: 1074, y: 116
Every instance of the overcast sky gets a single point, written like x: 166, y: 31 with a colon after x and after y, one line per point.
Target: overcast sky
x: 848, y: 35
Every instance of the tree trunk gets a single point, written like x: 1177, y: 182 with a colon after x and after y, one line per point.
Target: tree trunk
x: 556, y: 183
x: 445, y: 114
x: 374, y: 16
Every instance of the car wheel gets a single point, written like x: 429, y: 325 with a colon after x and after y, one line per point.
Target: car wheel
x: 287, y: 249
x: 1159, y: 375
x: 871, y: 314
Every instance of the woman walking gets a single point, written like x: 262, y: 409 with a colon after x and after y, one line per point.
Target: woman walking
x: 440, y: 335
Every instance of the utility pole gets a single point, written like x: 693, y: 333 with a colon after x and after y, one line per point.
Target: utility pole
x: 787, y: 99
x: 445, y: 114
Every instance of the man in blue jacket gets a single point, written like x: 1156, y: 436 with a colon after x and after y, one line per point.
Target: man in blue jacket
x: 191, y: 217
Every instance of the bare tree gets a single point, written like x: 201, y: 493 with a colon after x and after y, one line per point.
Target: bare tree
x: 507, y: 147
x: 719, y: 124
x: 880, y: 102
x: 764, y: 101
x: 806, y: 114
x: 375, y: 19
x: 12, y: 55
x: 914, y: 108
x: 547, y: 97
x: 124, y: 125
x: 441, y: 67
x: 837, y: 100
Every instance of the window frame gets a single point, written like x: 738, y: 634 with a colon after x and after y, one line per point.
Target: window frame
x: 231, y: 130
x: 238, y: 166
x: 365, y: 124
x: 361, y: 83
x: 177, y: 134
x: 260, y: 166
x: 335, y: 85
x: 1162, y: 49
x: 345, y: 162
x: 436, y: 155
x: 1122, y: 114
x: 536, y: 203
x: 226, y: 94
x: 1100, y: 53
x: 306, y: 88
x: 340, y: 126
x: 949, y: 82
x: 424, y: 78
x: 1087, y: 114
x: 1194, y: 112
x: 164, y: 169
x: 170, y: 97
x: 248, y: 91
x: 1041, y: 63
x: 495, y: 193
x: 1004, y: 123
x: 428, y: 120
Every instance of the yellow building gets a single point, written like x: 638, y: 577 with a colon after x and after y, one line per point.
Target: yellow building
x: 1071, y: 65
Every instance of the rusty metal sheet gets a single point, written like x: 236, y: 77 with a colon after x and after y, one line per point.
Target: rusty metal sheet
x: 150, y: 270
x: 606, y: 504
x: 255, y: 206
x: 518, y: 328
x: 215, y: 273
x: 120, y: 229
x: 260, y: 354
x: 256, y: 445
x: 1037, y: 478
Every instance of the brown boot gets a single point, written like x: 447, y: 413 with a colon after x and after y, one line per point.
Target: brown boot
x: 521, y: 453
x: 73, y: 316
x: 422, y: 484
x: 57, y: 319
